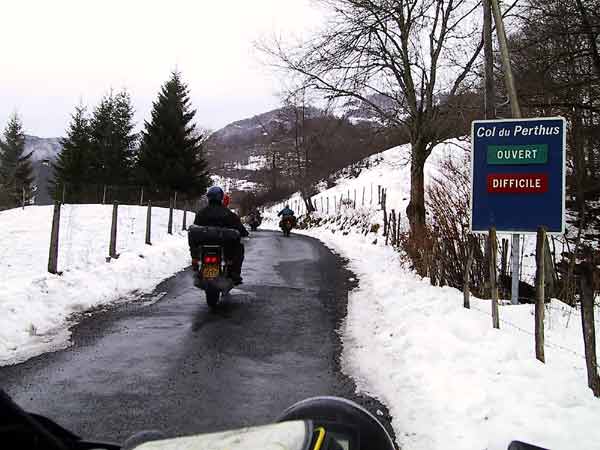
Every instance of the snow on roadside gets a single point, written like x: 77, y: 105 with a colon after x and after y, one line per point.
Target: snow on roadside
x: 448, y: 378
x: 35, y: 306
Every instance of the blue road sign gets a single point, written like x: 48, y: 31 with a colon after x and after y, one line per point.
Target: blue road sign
x: 518, y: 175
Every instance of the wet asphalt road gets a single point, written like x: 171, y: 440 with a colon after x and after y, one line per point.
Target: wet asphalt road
x: 178, y: 367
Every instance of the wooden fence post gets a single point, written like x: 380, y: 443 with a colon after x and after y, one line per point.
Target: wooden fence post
x: 354, y: 202
x: 53, y: 253
x: 104, y: 195
x: 385, y: 217
x: 184, y: 226
x: 149, y: 224
x: 175, y: 201
x: 467, y: 275
x: 170, y: 225
x: 587, y: 322
x: 393, y: 225
x: 493, y: 252
x: 112, y: 248
x: 540, y: 296
x: 142, y: 196
x: 504, y: 258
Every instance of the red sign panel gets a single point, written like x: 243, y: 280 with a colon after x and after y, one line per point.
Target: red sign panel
x: 527, y: 183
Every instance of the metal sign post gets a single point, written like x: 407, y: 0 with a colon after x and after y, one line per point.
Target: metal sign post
x: 514, y: 292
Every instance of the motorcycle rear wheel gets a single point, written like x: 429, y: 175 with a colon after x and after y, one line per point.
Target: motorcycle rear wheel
x: 212, y: 296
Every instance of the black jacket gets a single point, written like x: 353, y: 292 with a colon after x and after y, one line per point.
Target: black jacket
x: 219, y: 216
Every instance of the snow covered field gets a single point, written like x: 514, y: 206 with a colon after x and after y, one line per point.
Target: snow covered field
x: 449, y: 379
x: 35, y: 306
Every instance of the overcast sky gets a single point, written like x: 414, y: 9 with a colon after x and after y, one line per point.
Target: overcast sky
x: 55, y: 53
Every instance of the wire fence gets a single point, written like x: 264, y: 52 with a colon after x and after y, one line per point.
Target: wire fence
x: 547, y: 343
x: 84, y: 235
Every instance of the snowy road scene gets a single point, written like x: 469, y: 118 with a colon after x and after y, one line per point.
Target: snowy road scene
x: 300, y: 225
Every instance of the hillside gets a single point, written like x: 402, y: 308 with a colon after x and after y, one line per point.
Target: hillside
x: 275, y: 152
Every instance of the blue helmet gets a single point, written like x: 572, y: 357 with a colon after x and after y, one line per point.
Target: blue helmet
x: 215, y: 194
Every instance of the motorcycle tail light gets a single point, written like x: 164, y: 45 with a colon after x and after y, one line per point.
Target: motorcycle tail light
x: 208, y: 259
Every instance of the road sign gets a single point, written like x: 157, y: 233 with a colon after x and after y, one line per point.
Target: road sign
x: 518, y: 175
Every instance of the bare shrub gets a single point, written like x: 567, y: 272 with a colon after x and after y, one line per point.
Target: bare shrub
x: 448, y: 237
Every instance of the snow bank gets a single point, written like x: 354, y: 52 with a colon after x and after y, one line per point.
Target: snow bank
x: 449, y: 379
x: 35, y: 306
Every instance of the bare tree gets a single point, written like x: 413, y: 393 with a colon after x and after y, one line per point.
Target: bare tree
x: 413, y: 53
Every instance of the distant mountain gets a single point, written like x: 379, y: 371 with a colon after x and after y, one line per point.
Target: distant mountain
x: 43, y: 148
x: 358, y: 111
x: 45, y: 151
x: 247, y: 131
x: 240, y: 141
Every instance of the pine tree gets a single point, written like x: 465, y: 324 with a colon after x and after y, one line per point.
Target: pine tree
x: 112, y: 140
x: 125, y: 138
x: 16, y: 174
x: 72, y: 166
x: 171, y: 152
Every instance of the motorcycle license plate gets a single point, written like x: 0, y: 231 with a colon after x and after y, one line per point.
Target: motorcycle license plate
x: 210, y: 271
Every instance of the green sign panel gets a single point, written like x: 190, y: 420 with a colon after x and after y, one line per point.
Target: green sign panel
x: 517, y: 154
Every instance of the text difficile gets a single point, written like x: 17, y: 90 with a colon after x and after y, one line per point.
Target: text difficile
x: 531, y: 183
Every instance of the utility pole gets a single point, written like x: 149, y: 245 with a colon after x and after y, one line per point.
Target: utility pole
x: 488, y: 51
x: 516, y: 113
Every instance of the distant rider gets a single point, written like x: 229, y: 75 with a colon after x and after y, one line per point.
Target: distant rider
x: 218, y: 215
x: 287, y: 214
x: 255, y: 212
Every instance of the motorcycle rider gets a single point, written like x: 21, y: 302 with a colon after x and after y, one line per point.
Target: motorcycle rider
x: 218, y: 215
x: 287, y: 214
x: 255, y: 214
x: 226, y: 200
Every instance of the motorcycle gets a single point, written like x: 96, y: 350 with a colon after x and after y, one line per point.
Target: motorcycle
x: 318, y: 423
x: 286, y: 224
x: 212, y: 269
x: 254, y: 220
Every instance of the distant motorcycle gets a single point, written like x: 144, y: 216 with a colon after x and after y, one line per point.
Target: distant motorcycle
x: 254, y: 220
x: 211, y: 267
x: 286, y: 224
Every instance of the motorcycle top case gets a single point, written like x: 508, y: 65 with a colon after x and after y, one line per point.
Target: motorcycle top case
x: 201, y: 235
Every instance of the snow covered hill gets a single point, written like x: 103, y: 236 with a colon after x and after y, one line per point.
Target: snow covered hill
x: 44, y: 152
x: 36, y: 307
x: 449, y: 379
x: 42, y: 148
